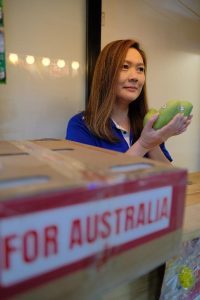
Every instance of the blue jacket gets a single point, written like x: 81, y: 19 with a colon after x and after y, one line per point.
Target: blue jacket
x: 77, y: 131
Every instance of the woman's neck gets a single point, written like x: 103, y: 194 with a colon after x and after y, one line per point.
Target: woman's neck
x: 120, y: 116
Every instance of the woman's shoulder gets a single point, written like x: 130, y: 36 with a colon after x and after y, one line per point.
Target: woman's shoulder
x: 78, y: 131
x: 76, y: 124
x: 77, y: 118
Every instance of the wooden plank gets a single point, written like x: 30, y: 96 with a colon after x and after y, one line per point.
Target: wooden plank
x: 146, y: 287
x: 191, y: 225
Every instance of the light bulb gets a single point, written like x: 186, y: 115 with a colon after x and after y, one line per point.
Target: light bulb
x: 30, y: 59
x: 61, y: 63
x: 46, y: 61
x: 75, y: 65
x: 13, y: 58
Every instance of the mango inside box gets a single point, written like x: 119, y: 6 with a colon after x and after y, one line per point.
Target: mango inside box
x: 76, y: 220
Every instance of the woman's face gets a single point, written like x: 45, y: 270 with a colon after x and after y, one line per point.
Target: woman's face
x: 131, y: 77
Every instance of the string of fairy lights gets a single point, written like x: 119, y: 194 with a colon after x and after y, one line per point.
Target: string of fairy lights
x: 55, y: 65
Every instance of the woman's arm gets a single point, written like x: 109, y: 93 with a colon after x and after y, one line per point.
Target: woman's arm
x: 157, y: 154
x: 137, y: 149
x: 150, y: 138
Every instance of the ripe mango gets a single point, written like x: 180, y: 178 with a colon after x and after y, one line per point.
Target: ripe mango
x: 186, y: 107
x: 168, y: 111
x: 149, y: 114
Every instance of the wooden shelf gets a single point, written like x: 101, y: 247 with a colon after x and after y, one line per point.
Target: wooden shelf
x: 191, y: 225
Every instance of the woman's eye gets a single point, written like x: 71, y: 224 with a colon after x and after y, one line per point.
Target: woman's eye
x: 141, y: 69
x: 125, y: 66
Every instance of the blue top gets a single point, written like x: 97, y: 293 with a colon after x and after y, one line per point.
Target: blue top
x: 78, y: 131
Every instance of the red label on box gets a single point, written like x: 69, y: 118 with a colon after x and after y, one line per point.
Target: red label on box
x: 40, y: 242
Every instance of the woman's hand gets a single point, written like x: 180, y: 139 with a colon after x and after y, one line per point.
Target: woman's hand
x: 185, y: 125
x: 150, y: 137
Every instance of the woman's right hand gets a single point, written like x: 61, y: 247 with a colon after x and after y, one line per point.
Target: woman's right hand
x: 151, y: 138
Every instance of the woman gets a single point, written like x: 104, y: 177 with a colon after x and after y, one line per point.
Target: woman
x: 114, y: 115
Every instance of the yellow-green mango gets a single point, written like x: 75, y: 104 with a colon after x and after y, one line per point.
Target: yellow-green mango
x: 186, y: 107
x: 149, y: 114
x: 168, y: 111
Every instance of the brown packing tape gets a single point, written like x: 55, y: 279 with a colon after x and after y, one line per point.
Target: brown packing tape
x: 82, y: 166
x: 8, y: 149
x: 101, y: 161
x: 64, y: 165
x: 68, y: 166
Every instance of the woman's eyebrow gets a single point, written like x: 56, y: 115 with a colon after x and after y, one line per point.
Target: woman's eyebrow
x: 131, y: 63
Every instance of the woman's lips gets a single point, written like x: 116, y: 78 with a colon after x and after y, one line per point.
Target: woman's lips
x: 131, y: 88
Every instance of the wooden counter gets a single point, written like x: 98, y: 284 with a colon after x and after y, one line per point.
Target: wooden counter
x: 191, y: 226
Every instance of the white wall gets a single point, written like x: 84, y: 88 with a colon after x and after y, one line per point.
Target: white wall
x: 36, y: 102
x: 170, y: 36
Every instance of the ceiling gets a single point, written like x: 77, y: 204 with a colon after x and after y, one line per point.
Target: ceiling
x: 192, y: 5
x: 186, y: 8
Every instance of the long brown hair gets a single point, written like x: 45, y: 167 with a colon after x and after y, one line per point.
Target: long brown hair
x: 103, y: 91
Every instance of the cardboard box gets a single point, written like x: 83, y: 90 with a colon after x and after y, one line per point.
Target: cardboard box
x: 77, y: 221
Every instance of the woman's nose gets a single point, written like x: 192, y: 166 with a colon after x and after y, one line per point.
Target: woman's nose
x: 133, y: 76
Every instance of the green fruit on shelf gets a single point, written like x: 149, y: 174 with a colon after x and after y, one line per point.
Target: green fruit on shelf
x: 186, y: 277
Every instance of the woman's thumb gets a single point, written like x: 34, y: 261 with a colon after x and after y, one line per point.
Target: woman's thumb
x: 152, y: 120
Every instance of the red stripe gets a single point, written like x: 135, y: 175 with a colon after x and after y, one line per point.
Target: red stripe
x: 56, y: 199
